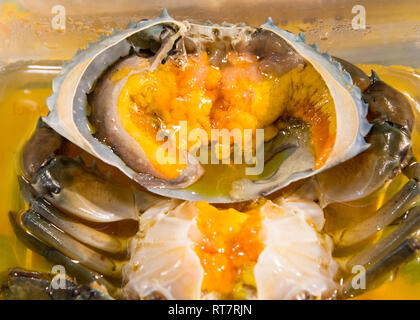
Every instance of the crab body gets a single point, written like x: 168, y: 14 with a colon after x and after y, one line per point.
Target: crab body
x: 322, y: 118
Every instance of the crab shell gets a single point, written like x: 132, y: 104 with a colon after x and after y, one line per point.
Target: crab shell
x: 69, y: 110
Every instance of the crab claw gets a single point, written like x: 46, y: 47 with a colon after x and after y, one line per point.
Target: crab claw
x: 75, y: 188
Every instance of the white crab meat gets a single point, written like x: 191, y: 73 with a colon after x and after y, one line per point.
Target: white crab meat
x: 295, y: 260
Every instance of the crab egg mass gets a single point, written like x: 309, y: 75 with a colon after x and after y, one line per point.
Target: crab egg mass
x: 236, y: 90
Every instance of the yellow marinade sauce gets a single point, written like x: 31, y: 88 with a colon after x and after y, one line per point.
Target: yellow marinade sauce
x: 21, y: 106
x: 20, y: 110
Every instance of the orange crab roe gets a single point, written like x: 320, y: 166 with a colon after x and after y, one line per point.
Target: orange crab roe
x: 229, y: 245
x: 235, y: 95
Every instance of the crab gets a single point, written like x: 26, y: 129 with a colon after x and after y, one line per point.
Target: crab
x: 336, y: 132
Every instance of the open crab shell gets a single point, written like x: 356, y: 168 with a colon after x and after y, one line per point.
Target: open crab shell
x: 69, y: 110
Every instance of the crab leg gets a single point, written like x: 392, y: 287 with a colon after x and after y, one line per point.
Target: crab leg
x: 377, y: 251
x: 388, y: 213
x: 56, y: 238
x: 76, y: 229
x: 412, y: 170
x: 71, y: 186
x: 388, y: 104
x: 381, y: 269
x: 67, y: 184
x: 27, y: 285
x: 391, y: 117
x: 72, y: 267
x: 79, y: 231
x: 62, y: 194
x: 39, y: 149
x: 359, y: 78
x: 382, y: 258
